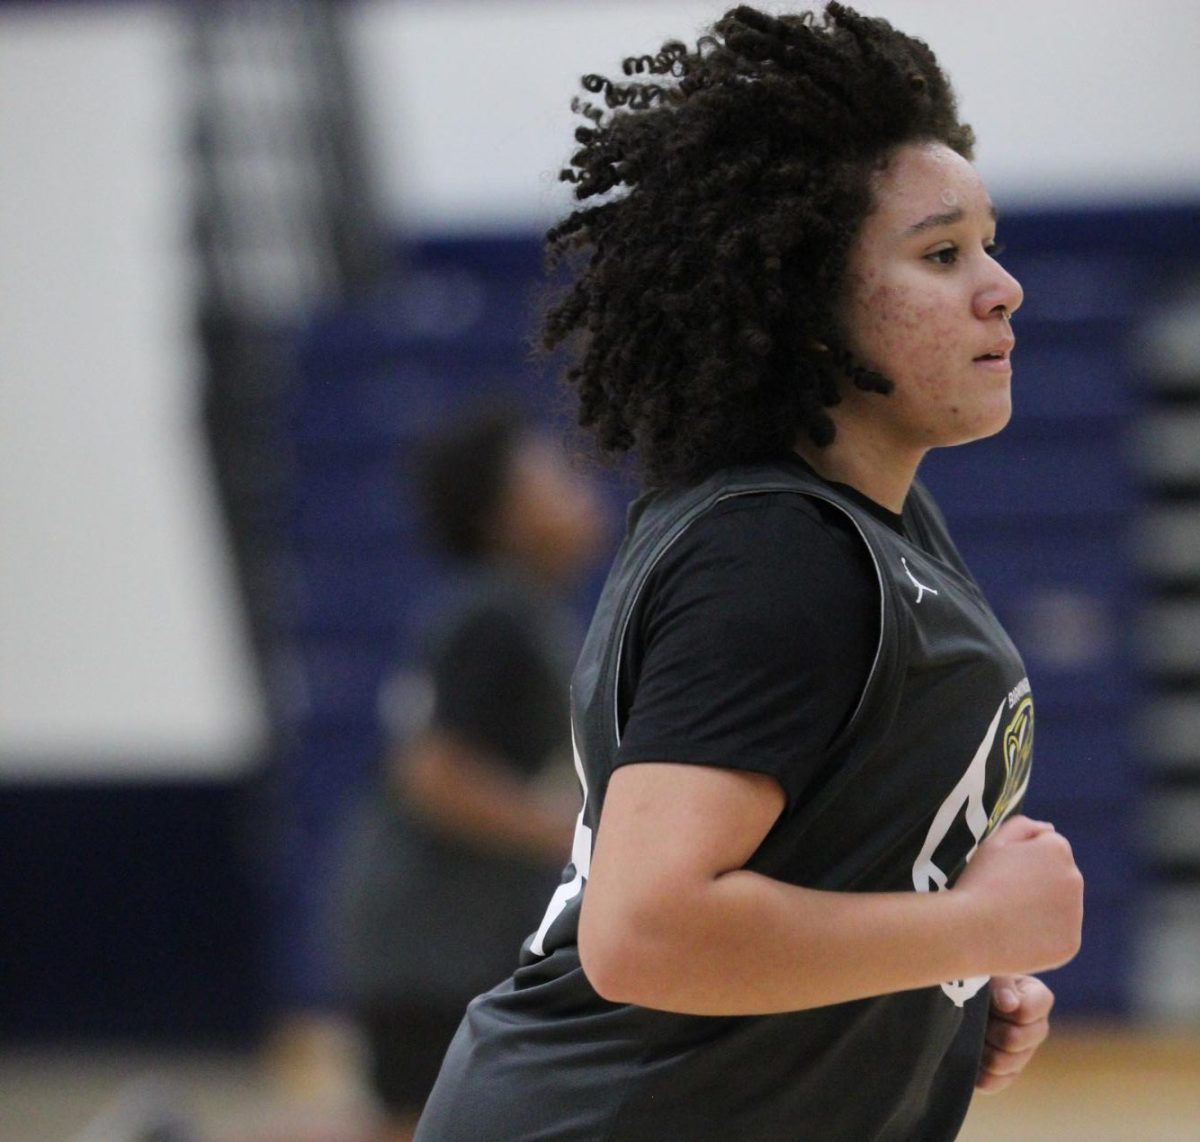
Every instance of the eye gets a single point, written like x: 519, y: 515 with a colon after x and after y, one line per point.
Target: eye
x: 946, y: 256
x: 994, y: 249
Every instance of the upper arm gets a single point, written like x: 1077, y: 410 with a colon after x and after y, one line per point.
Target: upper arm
x: 756, y: 639
x: 754, y: 642
x: 666, y: 832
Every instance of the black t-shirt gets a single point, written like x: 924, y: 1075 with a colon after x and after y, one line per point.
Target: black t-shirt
x: 754, y: 639
x: 917, y: 742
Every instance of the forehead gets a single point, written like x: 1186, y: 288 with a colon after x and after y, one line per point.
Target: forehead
x: 923, y: 180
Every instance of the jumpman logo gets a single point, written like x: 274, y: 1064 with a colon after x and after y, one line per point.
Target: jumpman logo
x: 922, y: 590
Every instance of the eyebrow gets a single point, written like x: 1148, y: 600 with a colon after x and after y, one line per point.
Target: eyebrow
x: 946, y: 219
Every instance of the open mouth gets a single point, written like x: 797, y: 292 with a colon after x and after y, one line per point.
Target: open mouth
x: 992, y: 357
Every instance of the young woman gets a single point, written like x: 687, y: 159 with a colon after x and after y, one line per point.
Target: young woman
x: 796, y: 719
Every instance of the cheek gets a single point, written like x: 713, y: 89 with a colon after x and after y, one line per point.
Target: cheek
x: 899, y: 333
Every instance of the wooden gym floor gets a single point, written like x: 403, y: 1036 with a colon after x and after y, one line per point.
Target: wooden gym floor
x: 1089, y: 1084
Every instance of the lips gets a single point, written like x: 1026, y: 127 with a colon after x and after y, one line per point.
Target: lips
x: 999, y: 351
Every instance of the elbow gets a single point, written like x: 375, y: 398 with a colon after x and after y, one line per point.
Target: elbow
x: 621, y: 956
x: 603, y: 976
x: 606, y: 954
x: 613, y: 979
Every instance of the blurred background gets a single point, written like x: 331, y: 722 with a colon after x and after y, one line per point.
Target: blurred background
x: 250, y: 252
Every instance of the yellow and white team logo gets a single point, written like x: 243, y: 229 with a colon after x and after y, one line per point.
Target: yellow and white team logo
x: 1018, y: 759
x: 966, y: 801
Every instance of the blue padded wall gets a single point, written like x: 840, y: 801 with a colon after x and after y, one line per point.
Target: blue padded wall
x: 131, y: 912
x: 371, y: 380
x: 161, y: 884
x: 1043, y: 514
x: 1040, y: 513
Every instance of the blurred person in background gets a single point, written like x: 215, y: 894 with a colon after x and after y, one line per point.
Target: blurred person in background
x: 450, y: 869
x: 802, y: 903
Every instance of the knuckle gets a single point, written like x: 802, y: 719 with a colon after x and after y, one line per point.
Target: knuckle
x: 1010, y: 1038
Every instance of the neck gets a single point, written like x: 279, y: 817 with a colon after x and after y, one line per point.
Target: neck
x: 880, y: 473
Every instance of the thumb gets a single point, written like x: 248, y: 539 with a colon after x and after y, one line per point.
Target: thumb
x: 1004, y: 995
x: 1020, y: 829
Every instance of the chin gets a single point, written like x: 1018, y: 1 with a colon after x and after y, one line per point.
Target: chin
x: 997, y: 424
x: 993, y: 415
x: 981, y: 427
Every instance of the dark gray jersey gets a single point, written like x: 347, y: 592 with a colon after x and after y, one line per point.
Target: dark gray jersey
x: 934, y: 755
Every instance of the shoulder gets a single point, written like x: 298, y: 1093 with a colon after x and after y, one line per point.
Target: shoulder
x: 764, y: 535
x: 772, y: 564
x: 753, y: 638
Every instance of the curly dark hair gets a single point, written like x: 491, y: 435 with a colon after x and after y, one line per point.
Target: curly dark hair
x: 724, y: 191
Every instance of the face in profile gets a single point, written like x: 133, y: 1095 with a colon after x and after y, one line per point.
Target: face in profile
x: 926, y: 304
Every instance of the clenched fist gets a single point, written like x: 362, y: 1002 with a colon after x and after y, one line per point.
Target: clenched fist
x: 1027, y: 896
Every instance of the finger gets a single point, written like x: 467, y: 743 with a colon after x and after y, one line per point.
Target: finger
x: 1036, y: 998
x: 1021, y: 999
x: 1016, y: 1038
x: 1020, y: 829
x: 1034, y: 1001
x: 988, y: 1083
x: 1006, y: 999
x: 1004, y: 1063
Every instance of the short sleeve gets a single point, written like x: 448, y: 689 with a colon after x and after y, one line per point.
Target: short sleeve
x: 753, y: 640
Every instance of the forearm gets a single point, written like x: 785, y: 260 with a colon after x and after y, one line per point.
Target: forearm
x: 746, y: 944
x: 672, y: 917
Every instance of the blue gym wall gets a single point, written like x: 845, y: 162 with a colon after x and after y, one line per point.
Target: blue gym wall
x: 1042, y: 512
x: 178, y: 895
x: 199, y: 905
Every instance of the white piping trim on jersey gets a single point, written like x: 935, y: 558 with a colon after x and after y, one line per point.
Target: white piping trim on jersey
x: 581, y: 858
x: 862, y: 698
x: 688, y: 523
x: 630, y: 609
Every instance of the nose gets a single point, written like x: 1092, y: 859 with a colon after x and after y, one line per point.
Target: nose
x: 1000, y: 291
